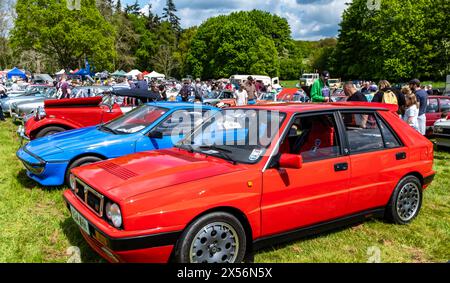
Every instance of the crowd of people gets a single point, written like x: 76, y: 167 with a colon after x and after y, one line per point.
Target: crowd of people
x: 412, y: 99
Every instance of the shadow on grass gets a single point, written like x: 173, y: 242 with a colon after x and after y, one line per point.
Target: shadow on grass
x: 73, y: 234
x: 309, y: 236
x: 30, y: 184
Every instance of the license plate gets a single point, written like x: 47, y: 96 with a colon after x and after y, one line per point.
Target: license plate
x: 80, y: 220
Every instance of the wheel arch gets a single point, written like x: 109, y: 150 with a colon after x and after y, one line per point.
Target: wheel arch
x: 86, y: 154
x: 34, y: 132
x: 415, y: 174
x: 236, y: 213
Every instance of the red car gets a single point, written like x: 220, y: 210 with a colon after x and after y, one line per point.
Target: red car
x: 436, y: 105
x: 233, y: 186
x: 68, y: 114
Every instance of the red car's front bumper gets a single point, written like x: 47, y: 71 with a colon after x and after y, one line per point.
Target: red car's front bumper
x: 149, y: 248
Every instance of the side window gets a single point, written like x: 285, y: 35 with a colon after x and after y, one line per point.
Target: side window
x: 432, y: 106
x: 180, y: 122
x: 314, y: 137
x: 390, y: 141
x: 445, y: 105
x: 363, y: 133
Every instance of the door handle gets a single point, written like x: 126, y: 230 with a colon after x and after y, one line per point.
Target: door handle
x: 400, y: 156
x: 341, y: 167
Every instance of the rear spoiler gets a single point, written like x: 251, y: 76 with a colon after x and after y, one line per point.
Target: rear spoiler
x: 387, y: 107
x: 85, y: 101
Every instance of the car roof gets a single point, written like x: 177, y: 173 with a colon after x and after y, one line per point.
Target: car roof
x: 306, y: 107
x: 438, y: 96
x: 173, y: 105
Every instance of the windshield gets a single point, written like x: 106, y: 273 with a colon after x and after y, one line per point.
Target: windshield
x: 135, y: 120
x: 268, y: 96
x: 236, y: 135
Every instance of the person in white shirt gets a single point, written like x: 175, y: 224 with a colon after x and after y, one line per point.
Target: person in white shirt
x: 15, y: 86
x: 241, y: 96
x: 412, y: 108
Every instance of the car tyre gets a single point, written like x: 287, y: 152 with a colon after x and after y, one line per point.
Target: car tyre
x: 80, y: 162
x: 405, y: 202
x: 215, y: 237
x: 49, y: 131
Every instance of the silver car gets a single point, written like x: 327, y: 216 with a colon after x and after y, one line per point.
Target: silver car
x: 32, y: 93
x: 22, y: 108
x: 441, y: 132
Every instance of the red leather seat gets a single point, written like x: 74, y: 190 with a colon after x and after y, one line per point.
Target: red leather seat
x: 321, y: 136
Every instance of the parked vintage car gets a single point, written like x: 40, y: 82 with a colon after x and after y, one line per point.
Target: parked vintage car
x: 436, y: 105
x: 23, y: 107
x: 66, y: 114
x: 293, y: 95
x: 48, y: 160
x: 60, y: 115
x: 32, y: 92
x: 223, y: 192
x: 225, y: 98
x: 441, y: 132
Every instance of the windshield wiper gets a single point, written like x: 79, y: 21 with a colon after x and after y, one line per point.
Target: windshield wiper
x: 106, y: 128
x: 221, y: 151
x: 187, y: 147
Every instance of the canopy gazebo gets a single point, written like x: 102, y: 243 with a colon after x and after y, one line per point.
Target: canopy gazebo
x: 16, y: 73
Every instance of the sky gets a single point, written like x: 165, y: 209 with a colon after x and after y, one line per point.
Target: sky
x: 309, y: 19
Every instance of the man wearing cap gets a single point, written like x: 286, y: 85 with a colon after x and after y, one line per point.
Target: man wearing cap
x: 250, y: 88
x: 320, y: 90
x: 422, y: 98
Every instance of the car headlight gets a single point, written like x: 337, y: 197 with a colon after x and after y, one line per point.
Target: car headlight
x: 113, y: 213
x: 72, y: 182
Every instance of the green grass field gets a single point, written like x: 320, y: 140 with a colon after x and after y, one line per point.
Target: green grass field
x: 35, y: 226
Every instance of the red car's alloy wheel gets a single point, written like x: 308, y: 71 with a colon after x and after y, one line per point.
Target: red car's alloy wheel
x: 408, y: 201
x: 216, y: 242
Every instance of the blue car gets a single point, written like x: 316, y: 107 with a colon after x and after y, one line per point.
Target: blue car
x: 155, y: 125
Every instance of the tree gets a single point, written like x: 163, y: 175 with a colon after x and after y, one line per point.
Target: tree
x: 164, y: 60
x: 403, y: 39
x: 134, y: 9
x: 6, y: 18
x: 240, y: 43
x: 170, y: 16
x: 48, y: 27
x: 182, y: 50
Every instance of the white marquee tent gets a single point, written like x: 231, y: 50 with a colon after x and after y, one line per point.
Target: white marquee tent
x: 155, y: 75
x: 133, y: 73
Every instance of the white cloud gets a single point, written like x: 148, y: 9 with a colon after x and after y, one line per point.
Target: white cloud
x: 309, y: 19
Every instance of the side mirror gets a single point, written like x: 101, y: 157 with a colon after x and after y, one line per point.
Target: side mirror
x: 155, y: 135
x: 292, y: 161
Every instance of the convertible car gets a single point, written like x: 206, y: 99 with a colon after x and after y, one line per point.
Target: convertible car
x: 251, y: 177
x: 152, y: 126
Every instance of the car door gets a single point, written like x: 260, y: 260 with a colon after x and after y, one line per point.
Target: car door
x: 432, y: 113
x: 375, y: 154
x: 171, y: 130
x: 294, y: 198
x: 444, y: 105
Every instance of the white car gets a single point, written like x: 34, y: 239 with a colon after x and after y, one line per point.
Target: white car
x: 441, y: 131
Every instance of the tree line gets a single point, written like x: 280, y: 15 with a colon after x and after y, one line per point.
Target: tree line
x: 402, y: 39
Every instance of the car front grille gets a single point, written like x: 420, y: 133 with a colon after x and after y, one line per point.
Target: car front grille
x: 91, y: 198
x: 34, y: 169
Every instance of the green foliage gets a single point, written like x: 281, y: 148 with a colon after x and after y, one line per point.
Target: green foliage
x: 404, y: 39
x: 243, y: 42
x: 170, y: 16
x: 50, y: 28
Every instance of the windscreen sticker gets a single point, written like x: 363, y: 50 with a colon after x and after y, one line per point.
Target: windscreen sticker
x: 256, y: 153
